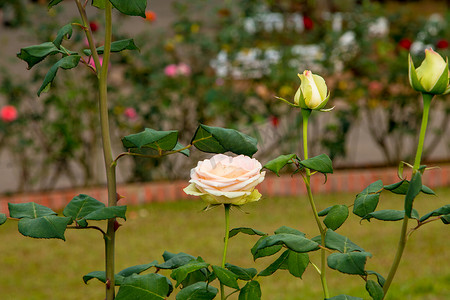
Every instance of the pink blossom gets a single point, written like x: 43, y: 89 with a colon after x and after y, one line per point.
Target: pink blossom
x: 184, y: 69
x: 8, y: 113
x: 130, y: 113
x: 171, y: 70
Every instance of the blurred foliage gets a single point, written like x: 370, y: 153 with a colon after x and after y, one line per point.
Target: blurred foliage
x: 223, y: 67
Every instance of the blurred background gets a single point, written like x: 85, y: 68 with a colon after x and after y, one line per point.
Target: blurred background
x: 220, y: 63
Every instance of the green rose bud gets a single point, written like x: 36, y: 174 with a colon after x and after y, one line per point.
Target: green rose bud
x: 312, y: 93
x: 432, y: 77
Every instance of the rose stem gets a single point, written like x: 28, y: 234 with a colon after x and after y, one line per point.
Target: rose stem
x: 102, y: 75
x: 227, y: 234
x: 307, y: 179
x: 403, y: 234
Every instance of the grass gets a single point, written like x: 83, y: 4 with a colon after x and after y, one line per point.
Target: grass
x: 52, y: 269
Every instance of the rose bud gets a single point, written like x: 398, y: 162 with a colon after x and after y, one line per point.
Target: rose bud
x: 312, y: 93
x: 432, y: 77
x: 226, y: 180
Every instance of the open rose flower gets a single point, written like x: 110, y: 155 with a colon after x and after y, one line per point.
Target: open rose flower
x: 226, y: 180
x: 8, y: 113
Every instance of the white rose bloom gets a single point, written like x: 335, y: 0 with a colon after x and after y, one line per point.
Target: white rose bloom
x: 226, y: 180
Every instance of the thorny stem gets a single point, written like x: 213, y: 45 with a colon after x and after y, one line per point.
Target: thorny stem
x: 403, y: 233
x: 307, y: 179
x: 225, y: 246
x: 102, y: 75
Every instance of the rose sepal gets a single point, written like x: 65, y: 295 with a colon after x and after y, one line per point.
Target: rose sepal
x: 327, y: 109
x: 413, y: 79
x: 288, y: 102
x: 232, y: 198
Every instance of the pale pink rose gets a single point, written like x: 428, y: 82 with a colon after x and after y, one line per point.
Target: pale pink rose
x: 8, y: 113
x: 226, y: 180
x: 171, y: 70
x: 130, y: 113
x: 184, y: 69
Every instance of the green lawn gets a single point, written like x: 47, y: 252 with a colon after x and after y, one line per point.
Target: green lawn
x: 52, y: 269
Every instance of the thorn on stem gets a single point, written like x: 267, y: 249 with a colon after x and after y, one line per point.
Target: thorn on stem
x: 108, y: 283
x: 116, y: 225
x: 119, y: 196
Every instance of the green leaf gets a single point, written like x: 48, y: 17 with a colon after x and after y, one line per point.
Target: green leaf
x: 367, y: 201
x: 116, y: 46
x: 273, y: 267
x: 149, y: 287
x: 375, y: 290
x: 250, y: 291
x: 297, y: 263
x: 150, y: 138
x: 197, y: 276
x: 67, y: 62
x: 137, y: 269
x: 349, y: 263
x: 29, y: 210
x: 101, y: 276
x: 321, y: 163
x: 292, y: 241
x: 46, y: 227
x: 343, y: 244
x: 427, y: 190
x: 180, y: 273
x: 220, y: 140
x: 445, y: 219
x: 226, y: 277
x: 444, y: 210
x: 173, y: 261
x: 245, y: 230
x: 64, y: 32
x: 179, y: 146
x: 3, y: 219
x: 344, y: 297
x: 413, y: 190
x: 285, y: 229
x: 324, y: 212
x: 106, y: 213
x: 389, y: 215
x: 33, y: 55
x: 257, y: 252
x: 81, y: 206
x: 53, y: 3
x: 197, y: 291
x: 275, y: 165
x: 401, y: 188
x: 336, y: 216
x: 380, y: 278
x: 130, y: 7
x: 99, y: 3
x: 242, y: 273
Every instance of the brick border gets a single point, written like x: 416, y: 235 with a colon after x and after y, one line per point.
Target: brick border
x: 352, y: 181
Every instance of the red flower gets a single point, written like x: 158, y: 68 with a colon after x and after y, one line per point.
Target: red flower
x: 275, y: 121
x: 405, y: 44
x: 442, y: 44
x: 94, y: 26
x: 308, y: 23
x: 150, y: 16
x: 8, y: 113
